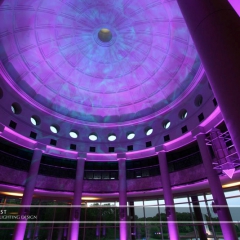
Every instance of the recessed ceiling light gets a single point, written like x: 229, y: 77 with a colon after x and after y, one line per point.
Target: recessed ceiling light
x: 112, y: 137
x: 198, y: 100
x: 149, y: 131
x: 130, y: 136
x: 73, y: 134
x: 54, y: 129
x: 93, y: 137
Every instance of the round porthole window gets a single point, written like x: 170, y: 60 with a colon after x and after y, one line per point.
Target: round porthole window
x: 73, y: 134
x: 183, y: 114
x: 148, y: 131
x: 112, y: 137
x: 16, y: 108
x: 35, y: 120
x: 198, y: 100
x: 130, y: 135
x: 54, y: 128
x: 93, y: 137
x: 166, y: 124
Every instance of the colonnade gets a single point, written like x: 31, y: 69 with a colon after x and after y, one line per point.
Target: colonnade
x: 214, y: 27
x: 73, y: 233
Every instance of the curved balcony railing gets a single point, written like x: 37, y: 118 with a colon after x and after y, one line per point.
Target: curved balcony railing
x: 185, y: 162
x: 18, y: 163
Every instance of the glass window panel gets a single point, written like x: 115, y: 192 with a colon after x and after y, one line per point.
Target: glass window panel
x: 145, y: 173
x: 140, y: 231
x: 89, y: 175
x: 138, y: 173
x: 151, y: 213
x: 138, y: 211
x: 180, y: 200
x: 200, y: 198
x: 161, y: 202
x: 113, y: 175
x: 233, y: 204
x: 105, y: 175
x: 153, y: 231
x: 43, y: 233
x: 92, y: 233
x: 184, y: 218
x: 93, y: 213
x: 13, y: 200
x: 107, y: 232
x: 150, y: 202
x: 232, y: 193
x: 209, y: 196
x: 97, y: 175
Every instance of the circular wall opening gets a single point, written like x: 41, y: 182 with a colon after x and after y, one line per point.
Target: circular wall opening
x: 54, y: 128
x: 93, y: 137
x: 73, y: 134
x: 182, y: 114
x: 35, y: 120
x: 166, y: 124
x: 112, y: 137
x: 130, y: 135
x: 16, y: 108
x: 148, y: 131
x: 198, y: 100
x: 105, y: 35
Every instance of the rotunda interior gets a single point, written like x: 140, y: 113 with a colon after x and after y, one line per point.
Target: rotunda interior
x: 111, y: 126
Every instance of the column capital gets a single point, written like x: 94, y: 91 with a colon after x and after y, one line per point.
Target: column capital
x: 198, y: 131
x: 160, y: 148
x: 40, y: 146
x: 121, y: 156
x: 82, y: 155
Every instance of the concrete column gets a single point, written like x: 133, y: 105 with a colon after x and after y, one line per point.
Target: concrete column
x: 20, y: 227
x: 214, y: 26
x: 168, y: 197
x: 122, y: 198
x: 132, y: 217
x: 224, y: 215
x: 77, y: 200
x: 199, y: 218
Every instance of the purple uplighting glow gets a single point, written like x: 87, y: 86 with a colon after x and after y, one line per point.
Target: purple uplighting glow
x: 109, y: 109
x: 57, y: 61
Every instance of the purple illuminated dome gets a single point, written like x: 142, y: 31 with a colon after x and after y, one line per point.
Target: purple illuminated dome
x: 99, y: 61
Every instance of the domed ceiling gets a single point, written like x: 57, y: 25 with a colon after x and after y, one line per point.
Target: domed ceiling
x: 98, y: 61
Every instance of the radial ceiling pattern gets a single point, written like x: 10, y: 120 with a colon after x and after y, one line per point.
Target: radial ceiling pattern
x: 52, y: 51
